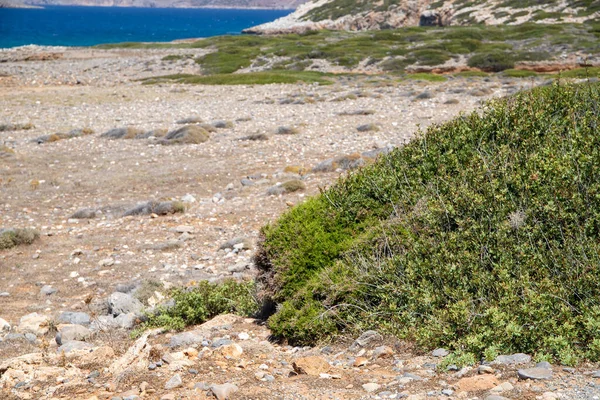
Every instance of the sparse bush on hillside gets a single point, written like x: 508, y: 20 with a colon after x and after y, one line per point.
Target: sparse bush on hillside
x: 481, y: 235
x: 15, y: 237
x: 206, y: 300
x: 15, y: 127
x: 189, y: 134
x: 492, y: 62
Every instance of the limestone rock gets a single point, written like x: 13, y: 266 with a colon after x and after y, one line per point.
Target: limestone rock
x: 4, y: 326
x: 174, y: 382
x: 33, y: 323
x: 72, y: 332
x: 224, y: 391
x: 69, y: 317
x: 233, y: 350
x: 513, y: 359
x: 477, y: 383
x: 313, y: 365
x: 122, y: 303
x: 535, y: 373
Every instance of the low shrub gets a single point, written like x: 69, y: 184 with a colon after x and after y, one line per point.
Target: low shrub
x: 204, y: 301
x: 492, y: 62
x: 481, y: 235
x: 14, y: 237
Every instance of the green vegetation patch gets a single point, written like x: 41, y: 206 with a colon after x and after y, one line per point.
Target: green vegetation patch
x: 200, y: 303
x: 252, y: 78
x: 390, y: 50
x: 426, y: 77
x: 481, y: 235
x: 14, y: 237
x: 519, y: 73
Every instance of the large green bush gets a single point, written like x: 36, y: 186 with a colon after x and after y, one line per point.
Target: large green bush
x: 481, y: 235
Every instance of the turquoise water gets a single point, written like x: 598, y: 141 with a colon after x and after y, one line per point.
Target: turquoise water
x: 86, y: 26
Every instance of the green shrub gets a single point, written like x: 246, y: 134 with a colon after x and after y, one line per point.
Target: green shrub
x: 492, y: 62
x: 15, y: 237
x: 205, y: 301
x: 519, y: 73
x: 482, y: 235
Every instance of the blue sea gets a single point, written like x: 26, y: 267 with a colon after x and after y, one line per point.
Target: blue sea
x: 86, y: 26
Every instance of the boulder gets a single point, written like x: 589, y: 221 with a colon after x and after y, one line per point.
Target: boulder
x: 68, y: 333
x: 70, y: 317
x: 224, y: 391
x: 122, y: 303
x: 33, y: 323
x: 313, y: 365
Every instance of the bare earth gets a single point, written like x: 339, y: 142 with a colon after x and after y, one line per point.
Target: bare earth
x: 42, y: 185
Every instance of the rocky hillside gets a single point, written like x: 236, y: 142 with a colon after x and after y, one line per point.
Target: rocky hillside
x: 369, y: 15
x: 275, y: 4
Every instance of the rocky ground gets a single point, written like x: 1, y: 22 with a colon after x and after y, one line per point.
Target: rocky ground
x: 84, y: 283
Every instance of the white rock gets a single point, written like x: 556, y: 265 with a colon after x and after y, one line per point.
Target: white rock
x: 33, y: 323
x: 371, y: 387
x: 4, y: 325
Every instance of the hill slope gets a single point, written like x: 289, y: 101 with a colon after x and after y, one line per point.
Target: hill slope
x: 481, y: 235
x: 371, y: 15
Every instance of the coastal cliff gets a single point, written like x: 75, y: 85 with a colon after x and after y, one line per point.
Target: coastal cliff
x: 365, y: 15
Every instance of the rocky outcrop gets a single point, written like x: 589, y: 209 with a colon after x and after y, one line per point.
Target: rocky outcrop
x: 370, y: 15
x: 405, y: 13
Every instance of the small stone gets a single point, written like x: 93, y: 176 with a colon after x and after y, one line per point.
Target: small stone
x: 440, y: 352
x: 48, y: 290
x: 174, y: 382
x: 447, y: 392
x: 313, y: 365
x: 184, y: 229
x: 231, y: 350
x: 33, y: 323
x: 485, y: 369
x: 222, y: 392
x: 193, y: 371
x: 371, y: 387
x: 543, y: 364
x: 151, y: 366
x: 496, y: 397
x: 534, y: 373
x: 122, y: 303
x: 367, y: 338
x: 201, y: 386
x: 518, y: 358
x: 71, y: 345
x: 189, y: 338
x: 360, y: 361
x: 477, y: 383
x: 383, y: 352
x: 503, y: 387
x: 188, y: 198
x: 243, y: 336
x: 4, y: 326
x: 106, y: 262
x: 72, y: 332
x: 77, y: 318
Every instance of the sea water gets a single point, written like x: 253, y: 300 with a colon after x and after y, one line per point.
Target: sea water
x: 86, y: 26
